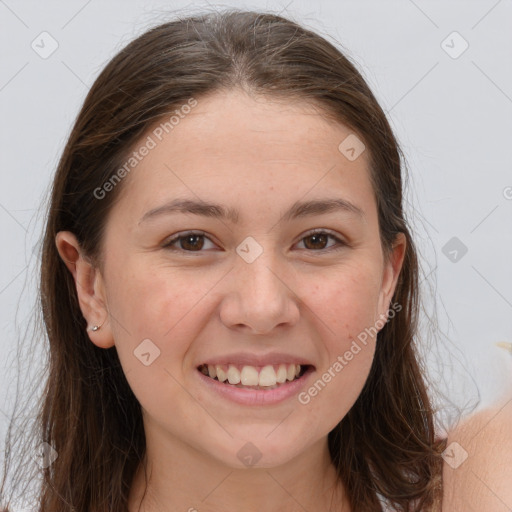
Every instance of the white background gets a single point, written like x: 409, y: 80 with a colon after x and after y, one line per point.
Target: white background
x: 452, y: 116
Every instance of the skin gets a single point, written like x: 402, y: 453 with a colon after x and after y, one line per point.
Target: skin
x: 482, y: 481
x: 297, y: 297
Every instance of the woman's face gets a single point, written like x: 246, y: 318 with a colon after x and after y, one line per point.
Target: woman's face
x: 252, y: 286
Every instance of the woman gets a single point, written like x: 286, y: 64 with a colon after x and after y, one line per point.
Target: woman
x: 275, y: 366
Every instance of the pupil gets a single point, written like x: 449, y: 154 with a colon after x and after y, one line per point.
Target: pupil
x: 189, y: 239
x: 320, y: 237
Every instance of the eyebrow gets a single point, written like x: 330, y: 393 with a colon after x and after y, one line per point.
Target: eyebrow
x: 299, y: 209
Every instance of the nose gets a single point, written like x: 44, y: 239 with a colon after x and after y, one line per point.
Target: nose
x: 259, y: 297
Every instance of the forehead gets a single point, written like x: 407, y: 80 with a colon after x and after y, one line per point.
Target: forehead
x: 233, y: 146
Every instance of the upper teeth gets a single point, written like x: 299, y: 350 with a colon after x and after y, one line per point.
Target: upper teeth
x: 251, y: 376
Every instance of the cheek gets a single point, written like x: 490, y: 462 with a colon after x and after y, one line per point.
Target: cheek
x: 345, y: 301
x: 153, y: 301
x: 155, y: 315
x: 344, y: 307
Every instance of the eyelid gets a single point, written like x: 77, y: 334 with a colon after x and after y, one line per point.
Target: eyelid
x: 340, y: 242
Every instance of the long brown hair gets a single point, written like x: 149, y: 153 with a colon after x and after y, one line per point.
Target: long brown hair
x: 385, y: 448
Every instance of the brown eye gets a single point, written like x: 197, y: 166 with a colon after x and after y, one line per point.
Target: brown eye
x: 187, y: 242
x: 192, y: 242
x: 317, y: 241
x: 195, y: 242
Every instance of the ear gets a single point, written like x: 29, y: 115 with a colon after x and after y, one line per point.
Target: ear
x: 89, y: 287
x: 392, y: 268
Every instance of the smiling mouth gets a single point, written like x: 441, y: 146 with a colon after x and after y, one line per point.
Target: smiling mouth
x: 254, y: 377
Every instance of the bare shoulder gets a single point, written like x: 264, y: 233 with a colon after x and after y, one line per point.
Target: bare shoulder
x: 477, y: 472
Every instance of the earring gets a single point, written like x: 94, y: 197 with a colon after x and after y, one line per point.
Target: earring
x: 94, y: 328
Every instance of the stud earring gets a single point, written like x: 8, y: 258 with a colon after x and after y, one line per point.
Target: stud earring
x: 94, y: 328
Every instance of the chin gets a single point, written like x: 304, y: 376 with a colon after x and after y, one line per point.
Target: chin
x: 261, y: 451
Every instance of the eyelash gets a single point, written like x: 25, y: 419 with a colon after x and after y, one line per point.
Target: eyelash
x: 341, y: 244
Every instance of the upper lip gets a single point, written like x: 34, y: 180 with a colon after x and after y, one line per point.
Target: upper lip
x: 241, y: 358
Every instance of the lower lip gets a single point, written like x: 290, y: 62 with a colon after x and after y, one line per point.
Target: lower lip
x: 257, y: 396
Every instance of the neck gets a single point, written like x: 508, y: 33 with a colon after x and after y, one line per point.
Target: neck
x: 181, y: 478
